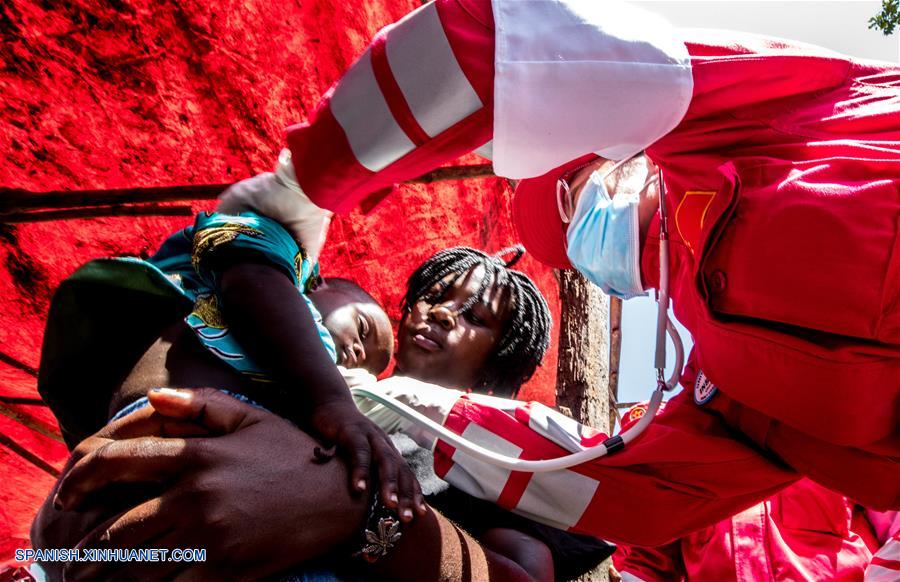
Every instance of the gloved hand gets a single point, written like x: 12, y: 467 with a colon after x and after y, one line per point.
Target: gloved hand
x: 278, y: 196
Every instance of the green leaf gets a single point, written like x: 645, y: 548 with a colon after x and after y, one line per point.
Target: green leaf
x: 888, y: 18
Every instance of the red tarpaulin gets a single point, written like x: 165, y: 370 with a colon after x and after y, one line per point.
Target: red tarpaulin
x: 139, y: 93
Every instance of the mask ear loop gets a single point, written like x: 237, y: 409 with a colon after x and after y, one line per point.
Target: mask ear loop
x: 562, y: 191
x: 564, y: 203
x: 652, y: 178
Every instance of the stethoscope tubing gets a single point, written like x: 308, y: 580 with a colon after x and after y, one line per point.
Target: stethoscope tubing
x: 664, y: 326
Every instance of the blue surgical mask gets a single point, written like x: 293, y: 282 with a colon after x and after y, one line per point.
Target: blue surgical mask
x: 603, y: 239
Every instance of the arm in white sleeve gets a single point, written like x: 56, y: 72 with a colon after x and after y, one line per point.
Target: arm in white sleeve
x: 572, y: 77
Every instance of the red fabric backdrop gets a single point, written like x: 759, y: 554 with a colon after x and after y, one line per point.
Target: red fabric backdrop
x: 103, y: 94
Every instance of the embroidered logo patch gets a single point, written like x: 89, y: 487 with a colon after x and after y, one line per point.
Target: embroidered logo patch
x: 704, y: 390
x: 639, y: 411
x: 690, y: 216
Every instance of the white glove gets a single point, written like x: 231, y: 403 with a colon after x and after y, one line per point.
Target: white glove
x: 278, y: 196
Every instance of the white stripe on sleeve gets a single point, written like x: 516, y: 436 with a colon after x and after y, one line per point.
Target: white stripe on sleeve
x: 476, y: 477
x: 422, y: 62
x: 557, y: 498
x: 361, y: 110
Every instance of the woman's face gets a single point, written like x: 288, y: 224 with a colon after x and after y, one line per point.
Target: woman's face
x: 438, y: 344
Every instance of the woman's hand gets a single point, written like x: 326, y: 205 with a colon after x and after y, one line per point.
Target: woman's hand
x: 341, y: 423
x: 254, y: 498
x: 54, y: 528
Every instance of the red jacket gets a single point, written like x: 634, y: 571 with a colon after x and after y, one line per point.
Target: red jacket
x: 784, y: 208
x: 802, y: 533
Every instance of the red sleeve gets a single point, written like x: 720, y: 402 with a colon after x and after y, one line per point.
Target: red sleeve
x: 420, y: 95
x: 659, y: 564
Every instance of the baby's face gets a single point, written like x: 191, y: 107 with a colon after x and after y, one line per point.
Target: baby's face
x: 362, y: 335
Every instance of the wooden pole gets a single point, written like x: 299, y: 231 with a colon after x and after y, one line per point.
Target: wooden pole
x: 15, y: 200
x: 615, y: 353
x: 95, y: 212
x: 17, y: 205
x: 583, y: 370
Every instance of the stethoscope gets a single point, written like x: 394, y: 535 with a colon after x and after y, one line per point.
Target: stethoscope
x: 611, y: 445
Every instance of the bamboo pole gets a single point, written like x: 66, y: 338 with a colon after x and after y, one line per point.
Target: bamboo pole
x: 29, y: 421
x: 35, y: 460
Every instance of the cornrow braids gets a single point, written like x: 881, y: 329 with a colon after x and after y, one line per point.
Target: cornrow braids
x: 526, y: 334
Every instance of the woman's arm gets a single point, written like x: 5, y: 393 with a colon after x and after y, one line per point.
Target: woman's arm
x: 253, y: 497
x: 434, y: 548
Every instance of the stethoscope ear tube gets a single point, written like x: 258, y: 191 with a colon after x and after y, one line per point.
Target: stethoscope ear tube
x: 663, y: 323
x: 675, y: 378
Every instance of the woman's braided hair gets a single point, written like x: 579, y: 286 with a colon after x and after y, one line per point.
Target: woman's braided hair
x: 526, y: 334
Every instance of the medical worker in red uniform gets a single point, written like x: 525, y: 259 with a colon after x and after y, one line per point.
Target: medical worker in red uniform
x: 781, y: 168
x: 804, y: 532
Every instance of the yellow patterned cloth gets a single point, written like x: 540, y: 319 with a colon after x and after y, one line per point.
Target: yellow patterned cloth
x: 190, y: 258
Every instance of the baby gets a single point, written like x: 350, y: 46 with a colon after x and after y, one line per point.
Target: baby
x: 231, y: 302
x: 224, y: 259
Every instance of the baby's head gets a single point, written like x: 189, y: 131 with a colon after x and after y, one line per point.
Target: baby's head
x: 358, y: 325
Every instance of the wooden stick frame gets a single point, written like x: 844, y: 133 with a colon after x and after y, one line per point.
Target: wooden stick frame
x: 18, y: 205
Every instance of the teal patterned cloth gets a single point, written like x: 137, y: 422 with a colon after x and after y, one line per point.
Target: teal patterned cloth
x: 105, y: 312
x: 189, y: 260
